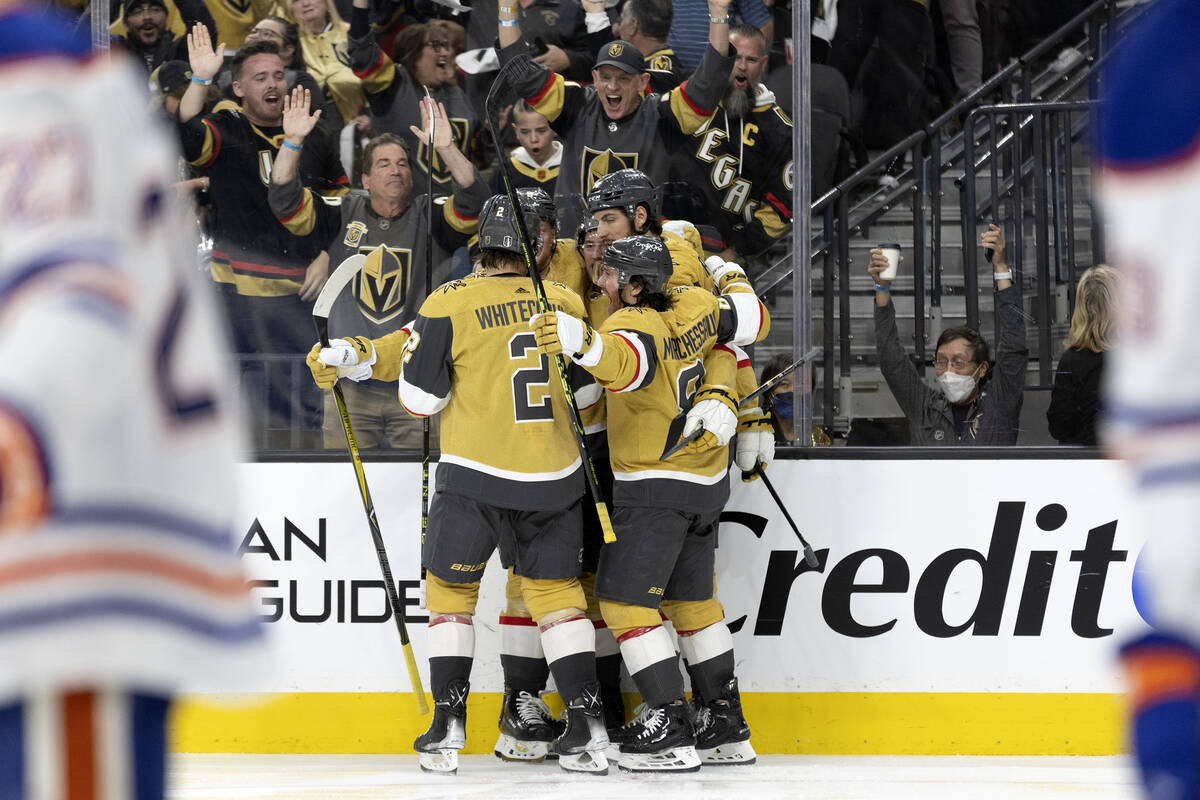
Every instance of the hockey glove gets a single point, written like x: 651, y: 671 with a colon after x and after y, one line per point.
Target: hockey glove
x: 344, y: 358
x: 715, y: 408
x: 725, y: 273
x: 755, y: 444
x: 561, y: 333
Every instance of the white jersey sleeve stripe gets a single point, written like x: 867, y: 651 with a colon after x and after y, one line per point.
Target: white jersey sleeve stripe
x: 643, y: 361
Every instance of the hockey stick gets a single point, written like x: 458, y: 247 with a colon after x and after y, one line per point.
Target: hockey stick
x: 428, y: 291
x: 491, y: 113
x: 775, y: 381
x: 810, y: 557
x: 333, y: 287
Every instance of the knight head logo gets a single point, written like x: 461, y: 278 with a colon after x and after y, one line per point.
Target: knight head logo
x: 382, y: 285
x: 615, y: 49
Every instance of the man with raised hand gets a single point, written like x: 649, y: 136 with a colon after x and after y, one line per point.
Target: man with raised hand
x: 387, y: 292
x: 611, y: 125
x: 274, y: 275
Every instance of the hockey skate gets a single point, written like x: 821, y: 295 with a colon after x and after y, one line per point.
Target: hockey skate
x: 620, y: 734
x: 581, y: 746
x: 438, y: 747
x: 665, y: 743
x: 527, y: 729
x: 722, y: 735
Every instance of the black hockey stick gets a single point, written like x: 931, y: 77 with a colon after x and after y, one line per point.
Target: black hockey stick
x: 428, y: 291
x: 491, y: 114
x: 775, y: 381
x: 810, y: 557
x: 333, y: 287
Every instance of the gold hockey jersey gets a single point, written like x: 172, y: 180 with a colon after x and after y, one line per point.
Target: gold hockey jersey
x: 652, y: 365
x: 506, y: 435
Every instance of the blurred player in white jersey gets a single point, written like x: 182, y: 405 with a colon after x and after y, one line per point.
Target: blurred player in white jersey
x: 119, y: 583
x: 1149, y: 134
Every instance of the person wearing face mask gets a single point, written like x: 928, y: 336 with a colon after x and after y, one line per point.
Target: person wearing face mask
x: 972, y: 402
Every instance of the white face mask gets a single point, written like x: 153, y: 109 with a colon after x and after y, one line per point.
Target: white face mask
x: 956, y: 387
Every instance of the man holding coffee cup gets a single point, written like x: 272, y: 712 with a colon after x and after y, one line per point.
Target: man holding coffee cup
x: 974, y: 401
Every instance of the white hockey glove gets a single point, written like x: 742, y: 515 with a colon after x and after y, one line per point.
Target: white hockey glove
x: 724, y: 273
x: 344, y: 358
x: 716, y: 409
x: 755, y: 445
x: 561, y: 333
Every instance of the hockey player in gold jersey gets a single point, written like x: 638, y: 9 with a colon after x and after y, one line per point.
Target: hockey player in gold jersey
x: 510, y: 476
x: 651, y: 357
x: 625, y: 203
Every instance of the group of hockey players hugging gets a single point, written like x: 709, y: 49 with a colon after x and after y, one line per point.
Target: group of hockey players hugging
x: 655, y: 332
x: 647, y: 334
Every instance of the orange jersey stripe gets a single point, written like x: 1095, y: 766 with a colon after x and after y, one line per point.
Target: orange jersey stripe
x: 79, y: 745
x: 229, y: 585
x: 1159, y: 674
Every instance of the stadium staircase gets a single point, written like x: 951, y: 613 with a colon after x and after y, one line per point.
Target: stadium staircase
x: 1015, y: 152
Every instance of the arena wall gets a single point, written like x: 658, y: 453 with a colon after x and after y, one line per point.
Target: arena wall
x: 965, y: 606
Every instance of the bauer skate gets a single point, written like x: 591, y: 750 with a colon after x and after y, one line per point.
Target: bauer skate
x: 581, y: 746
x: 619, y: 735
x: 527, y: 729
x: 722, y: 735
x: 438, y: 747
x: 665, y: 743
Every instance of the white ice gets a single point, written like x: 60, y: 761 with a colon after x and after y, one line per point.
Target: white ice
x: 366, y: 777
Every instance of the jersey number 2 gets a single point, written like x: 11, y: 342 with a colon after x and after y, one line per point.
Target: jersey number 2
x: 525, y: 379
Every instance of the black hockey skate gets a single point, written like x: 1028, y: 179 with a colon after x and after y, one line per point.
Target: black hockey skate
x: 447, y: 734
x: 527, y: 728
x: 665, y: 743
x: 620, y: 734
x: 722, y: 735
x: 581, y: 746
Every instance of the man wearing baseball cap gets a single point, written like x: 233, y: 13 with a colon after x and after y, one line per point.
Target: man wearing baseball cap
x: 611, y: 125
x: 146, y: 35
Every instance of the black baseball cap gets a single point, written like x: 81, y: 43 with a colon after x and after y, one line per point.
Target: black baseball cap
x: 622, y: 55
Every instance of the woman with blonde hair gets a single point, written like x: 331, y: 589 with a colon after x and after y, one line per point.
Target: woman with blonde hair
x: 1076, y: 396
x: 323, y: 36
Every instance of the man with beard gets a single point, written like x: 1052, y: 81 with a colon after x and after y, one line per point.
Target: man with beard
x: 146, y: 36
x: 275, y: 274
x: 610, y: 126
x: 423, y: 58
x: 745, y: 153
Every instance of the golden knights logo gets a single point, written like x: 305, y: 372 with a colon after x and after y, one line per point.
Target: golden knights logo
x: 382, y: 284
x: 615, y: 49
x: 441, y: 174
x: 598, y: 163
x: 265, y: 161
x: 355, y: 231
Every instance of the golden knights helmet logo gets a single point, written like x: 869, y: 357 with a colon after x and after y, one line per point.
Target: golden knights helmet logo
x: 615, y: 49
x: 382, y: 284
x: 441, y: 174
x: 595, y: 164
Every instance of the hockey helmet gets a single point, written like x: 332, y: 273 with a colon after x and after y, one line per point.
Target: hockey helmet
x: 643, y: 257
x: 537, y: 206
x: 498, y: 226
x: 586, y: 225
x: 625, y: 189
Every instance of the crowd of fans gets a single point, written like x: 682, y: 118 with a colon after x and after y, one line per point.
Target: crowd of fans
x: 222, y: 73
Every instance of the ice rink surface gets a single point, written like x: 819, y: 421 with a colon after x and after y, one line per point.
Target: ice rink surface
x: 294, y: 777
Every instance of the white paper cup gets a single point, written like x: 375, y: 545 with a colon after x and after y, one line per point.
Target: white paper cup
x: 892, y: 251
